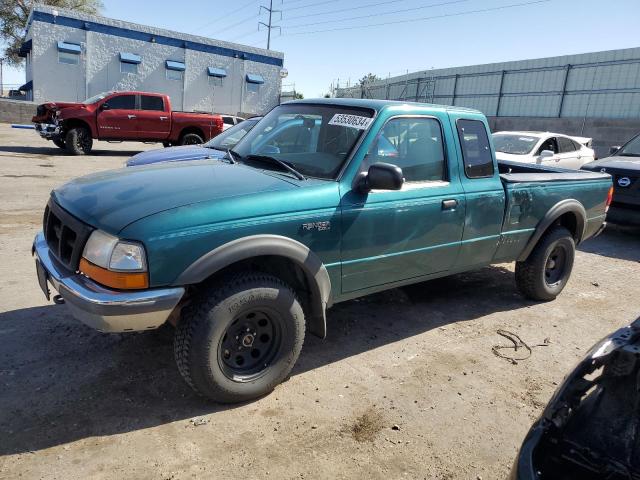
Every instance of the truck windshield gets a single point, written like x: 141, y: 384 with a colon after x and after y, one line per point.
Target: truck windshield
x: 315, y: 140
x: 631, y: 149
x: 231, y: 136
x: 514, y: 144
x: 96, y: 98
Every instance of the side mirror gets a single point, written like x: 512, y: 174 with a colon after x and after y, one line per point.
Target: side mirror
x: 614, y: 150
x: 104, y: 106
x: 546, y: 154
x: 381, y: 176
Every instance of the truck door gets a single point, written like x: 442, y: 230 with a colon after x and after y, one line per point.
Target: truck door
x: 154, y: 122
x: 392, y: 236
x: 117, y: 118
x: 483, y: 189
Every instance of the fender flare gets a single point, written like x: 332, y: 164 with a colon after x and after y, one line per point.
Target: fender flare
x: 245, y: 248
x: 561, y: 208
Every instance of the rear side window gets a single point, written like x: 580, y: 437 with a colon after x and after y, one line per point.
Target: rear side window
x: 476, y: 153
x: 565, y: 145
x: 148, y: 102
x: 123, y: 102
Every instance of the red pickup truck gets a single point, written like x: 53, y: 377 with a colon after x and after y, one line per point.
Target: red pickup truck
x: 118, y: 116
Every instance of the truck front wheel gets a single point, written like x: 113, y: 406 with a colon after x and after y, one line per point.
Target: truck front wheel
x: 78, y: 141
x: 546, y: 272
x: 240, y: 338
x: 58, y: 142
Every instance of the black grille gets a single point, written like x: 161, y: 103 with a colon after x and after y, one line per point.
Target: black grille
x: 65, y: 235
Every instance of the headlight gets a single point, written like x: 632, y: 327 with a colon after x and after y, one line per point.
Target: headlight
x: 113, y: 262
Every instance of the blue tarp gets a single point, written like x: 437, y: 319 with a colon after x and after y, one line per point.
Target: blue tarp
x: 130, y: 58
x: 69, y: 47
x: 254, y: 78
x: 179, y: 66
x: 217, y: 72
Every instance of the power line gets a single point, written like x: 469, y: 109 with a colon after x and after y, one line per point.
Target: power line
x: 244, y: 20
x: 470, y: 12
x: 405, y: 10
x: 226, y: 15
x: 344, y: 9
x: 311, y: 5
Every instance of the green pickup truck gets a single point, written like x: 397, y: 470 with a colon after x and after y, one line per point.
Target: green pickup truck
x: 321, y: 202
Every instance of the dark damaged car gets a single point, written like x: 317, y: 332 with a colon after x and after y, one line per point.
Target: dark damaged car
x: 590, y: 430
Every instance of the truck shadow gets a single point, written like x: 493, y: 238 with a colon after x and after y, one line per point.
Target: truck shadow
x: 100, y: 150
x: 615, y: 242
x: 62, y: 381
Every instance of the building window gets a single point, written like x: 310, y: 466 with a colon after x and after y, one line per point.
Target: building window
x: 129, y: 62
x: 69, y: 53
x: 174, y: 75
x: 128, y: 67
x: 254, y: 82
x: 216, y: 76
x: 175, y: 70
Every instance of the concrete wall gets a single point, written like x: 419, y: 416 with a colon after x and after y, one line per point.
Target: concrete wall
x: 605, y: 132
x: 16, y: 111
x: 102, y: 39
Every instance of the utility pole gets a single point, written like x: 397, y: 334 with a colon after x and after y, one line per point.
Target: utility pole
x: 270, y: 25
x: 1, y: 81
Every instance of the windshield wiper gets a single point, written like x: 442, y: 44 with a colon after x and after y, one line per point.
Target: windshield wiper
x: 231, y: 154
x: 285, y: 165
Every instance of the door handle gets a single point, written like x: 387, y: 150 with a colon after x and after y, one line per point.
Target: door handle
x: 163, y: 118
x: 131, y: 117
x: 449, y: 204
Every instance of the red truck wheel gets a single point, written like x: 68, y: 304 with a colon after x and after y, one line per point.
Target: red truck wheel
x: 78, y: 141
x: 191, y: 139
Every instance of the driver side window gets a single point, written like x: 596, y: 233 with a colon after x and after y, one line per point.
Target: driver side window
x: 549, y: 144
x: 413, y: 144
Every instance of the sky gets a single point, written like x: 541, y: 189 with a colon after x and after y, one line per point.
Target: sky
x: 329, y: 40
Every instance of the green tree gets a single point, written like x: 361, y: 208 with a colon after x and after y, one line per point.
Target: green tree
x: 298, y: 96
x: 14, y: 15
x: 368, y: 78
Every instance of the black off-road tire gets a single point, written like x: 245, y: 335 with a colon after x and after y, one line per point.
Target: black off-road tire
x: 211, y: 323
x: 58, y: 142
x: 191, y: 139
x: 546, y: 272
x: 78, y: 141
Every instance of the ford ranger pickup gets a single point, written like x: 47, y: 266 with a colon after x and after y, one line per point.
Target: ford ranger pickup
x: 122, y: 116
x: 321, y: 202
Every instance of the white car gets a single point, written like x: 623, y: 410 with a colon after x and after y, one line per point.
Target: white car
x: 543, y: 148
x: 230, y: 121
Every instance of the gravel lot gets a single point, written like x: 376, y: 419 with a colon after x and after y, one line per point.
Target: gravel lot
x: 76, y: 403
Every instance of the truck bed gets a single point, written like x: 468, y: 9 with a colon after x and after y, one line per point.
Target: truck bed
x: 532, y: 190
x: 515, y: 172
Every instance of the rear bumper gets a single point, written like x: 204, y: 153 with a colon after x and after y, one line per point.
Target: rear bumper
x: 104, y: 309
x: 48, y: 130
x: 624, y: 216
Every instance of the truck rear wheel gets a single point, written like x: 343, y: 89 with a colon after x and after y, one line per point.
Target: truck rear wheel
x: 78, y: 141
x: 191, y: 139
x: 546, y: 272
x: 240, y: 338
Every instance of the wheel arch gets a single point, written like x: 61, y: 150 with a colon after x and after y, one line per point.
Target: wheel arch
x: 196, y: 130
x: 77, y: 122
x: 281, y: 256
x: 568, y: 213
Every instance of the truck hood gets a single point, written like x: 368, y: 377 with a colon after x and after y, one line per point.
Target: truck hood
x: 44, y: 112
x: 617, y: 162
x: 174, y: 154
x: 113, y: 199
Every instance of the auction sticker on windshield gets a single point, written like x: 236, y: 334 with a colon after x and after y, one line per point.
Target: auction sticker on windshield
x: 353, y: 121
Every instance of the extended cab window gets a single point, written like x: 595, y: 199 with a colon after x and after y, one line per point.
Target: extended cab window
x: 413, y: 144
x: 148, y: 102
x: 123, y: 102
x: 476, y: 153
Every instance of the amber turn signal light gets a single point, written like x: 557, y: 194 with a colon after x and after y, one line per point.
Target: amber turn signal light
x: 119, y: 280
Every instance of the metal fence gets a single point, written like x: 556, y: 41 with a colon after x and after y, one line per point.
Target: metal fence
x: 596, y: 85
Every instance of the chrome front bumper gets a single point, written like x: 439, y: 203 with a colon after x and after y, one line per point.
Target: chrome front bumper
x: 48, y: 130
x: 104, y: 309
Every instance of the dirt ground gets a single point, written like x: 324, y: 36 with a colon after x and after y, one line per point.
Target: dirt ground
x: 405, y: 386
